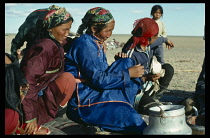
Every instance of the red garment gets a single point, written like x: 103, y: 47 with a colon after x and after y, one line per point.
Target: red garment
x: 11, y: 120
x: 44, y: 56
x: 149, y: 28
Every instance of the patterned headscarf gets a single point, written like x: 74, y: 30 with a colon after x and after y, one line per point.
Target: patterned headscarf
x: 55, y: 16
x: 94, y: 17
x: 143, y: 29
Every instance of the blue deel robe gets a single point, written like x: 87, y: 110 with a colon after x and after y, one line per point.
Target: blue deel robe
x: 106, y: 98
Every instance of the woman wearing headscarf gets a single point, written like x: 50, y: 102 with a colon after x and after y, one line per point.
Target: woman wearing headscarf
x: 105, y: 94
x: 43, y: 67
x: 139, y: 47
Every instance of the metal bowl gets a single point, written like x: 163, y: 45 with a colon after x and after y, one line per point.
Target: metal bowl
x: 197, y: 124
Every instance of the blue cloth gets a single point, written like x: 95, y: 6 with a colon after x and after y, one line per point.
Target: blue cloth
x: 106, y: 99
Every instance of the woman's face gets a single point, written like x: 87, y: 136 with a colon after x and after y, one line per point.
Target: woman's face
x: 61, y: 32
x: 151, y: 41
x: 157, y: 15
x: 106, y: 32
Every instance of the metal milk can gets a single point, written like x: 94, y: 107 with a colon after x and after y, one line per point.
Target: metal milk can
x: 167, y: 120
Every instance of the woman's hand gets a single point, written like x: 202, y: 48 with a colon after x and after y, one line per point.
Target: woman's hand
x: 120, y: 55
x: 152, y: 77
x: 136, y: 71
x: 31, y: 127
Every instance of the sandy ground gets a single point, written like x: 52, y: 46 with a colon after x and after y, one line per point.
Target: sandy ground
x: 186, y: 58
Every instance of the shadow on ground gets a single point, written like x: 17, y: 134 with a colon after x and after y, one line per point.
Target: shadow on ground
x: 176, y: 96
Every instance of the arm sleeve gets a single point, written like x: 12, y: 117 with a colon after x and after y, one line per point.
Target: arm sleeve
x: 164, y: 33
x: 35, y: 67
x: 92, y: 69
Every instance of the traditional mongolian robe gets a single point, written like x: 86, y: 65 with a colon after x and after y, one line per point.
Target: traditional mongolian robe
x: 105, y: 96
x: 41, y: 65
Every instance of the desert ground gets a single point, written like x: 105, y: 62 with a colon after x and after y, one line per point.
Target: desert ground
x: 186, y: 58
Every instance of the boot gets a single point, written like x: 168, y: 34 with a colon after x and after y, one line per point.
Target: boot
x: 157, y: 95
x: 145, y: 103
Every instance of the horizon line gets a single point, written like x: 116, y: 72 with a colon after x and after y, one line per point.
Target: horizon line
x: 6, y: 34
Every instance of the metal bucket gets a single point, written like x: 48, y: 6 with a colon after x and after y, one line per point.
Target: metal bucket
x: 167, y: 120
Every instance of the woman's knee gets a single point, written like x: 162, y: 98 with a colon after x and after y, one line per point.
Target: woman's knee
x: 69, y: 78
x: 168, y: 68
x: 66, y: 80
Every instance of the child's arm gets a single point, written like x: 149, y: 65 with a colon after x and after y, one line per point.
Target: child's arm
x: 164, y: 33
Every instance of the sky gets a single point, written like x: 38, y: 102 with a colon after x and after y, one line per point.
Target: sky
x: 180, y: 19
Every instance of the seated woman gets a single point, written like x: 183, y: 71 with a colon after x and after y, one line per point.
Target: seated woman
x: 105, y: 94
x: 43, y: 67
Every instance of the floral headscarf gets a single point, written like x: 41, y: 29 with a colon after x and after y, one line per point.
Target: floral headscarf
x: 100, y: 16
x: 143, y: 29
x: 55, y: 16
x: 94, y: 17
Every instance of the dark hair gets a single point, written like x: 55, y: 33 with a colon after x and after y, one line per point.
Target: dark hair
x: 98, y: 27
x: 66, y: 21
x: 137, y: 32
x: 155, y: 8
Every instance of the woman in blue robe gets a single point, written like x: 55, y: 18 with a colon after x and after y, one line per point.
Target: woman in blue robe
x: 105, y: 94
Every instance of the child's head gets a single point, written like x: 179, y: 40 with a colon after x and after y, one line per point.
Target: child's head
x: 156, y: 12
x: 145, y: 32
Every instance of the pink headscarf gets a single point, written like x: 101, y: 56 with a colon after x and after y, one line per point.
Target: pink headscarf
x: 143, y: 29
x: 11, y: 120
